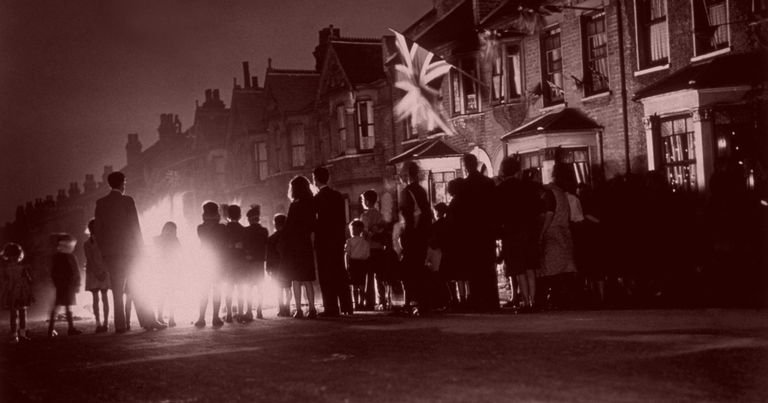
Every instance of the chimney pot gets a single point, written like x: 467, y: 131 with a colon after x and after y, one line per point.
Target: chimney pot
x: 215, y: 95
x: 208, y: 95
x: 255, y: 81
x: 246, y: 75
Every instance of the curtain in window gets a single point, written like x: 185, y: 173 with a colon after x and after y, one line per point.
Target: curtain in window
x: 515, y: 77
x: 658, y: 9
x: 496, y: 78
x: 658, y: 41
x: 717, y: 17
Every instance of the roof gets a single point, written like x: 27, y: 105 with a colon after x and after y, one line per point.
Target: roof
x: 362, y: 61
x: 247, y: 108
x: 730, y: 70
x: 456, y: 24
x: 434, y: 148
x: 293, y: 90
x: 568, y: 119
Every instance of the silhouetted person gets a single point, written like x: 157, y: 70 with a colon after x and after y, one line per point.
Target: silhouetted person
x: 255, y: 254
x: 480, y: 237
x: 456, y: 265
x: 330, y: 237
x: 297, y: 260
x: 168, y: 248
x: 119, y: 233
x: 213, y: 241
x: 66, y: 278
x: 236, y: 261
x: 417, y: 214
x: 273, y: 268
x: 96, y: 278
x: 519, y: 208
x: 374, y: 283
x: 16, y: 289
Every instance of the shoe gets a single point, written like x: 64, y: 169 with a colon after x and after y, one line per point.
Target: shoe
x: 248, y: 317
x: 299, y: 314
x: 22, y: 334
x: 156, y: 326
x: 200, y: 323
x: 172, y: 323
x: 259, y: 315
x: 74, y: 332
x: 14, y: 339
x: 312, y: 314
x: 229, y: 319
x: 162, y: 322
x: 101, y: 329
x: 217, y: 322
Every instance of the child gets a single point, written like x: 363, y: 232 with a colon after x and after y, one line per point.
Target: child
x: 357, y: 252
x: 255, y: 254
x: 381, y: 265
x: 66, y: 279
x: 373, y: 220
x: 168, y: 248
x: 273, y: 268
x: 16, y: 294
x: 237, y: 265
x: 96, y: 278
x: 213, y: 238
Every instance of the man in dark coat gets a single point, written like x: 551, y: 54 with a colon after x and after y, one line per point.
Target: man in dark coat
x: 119, y: 233
x: 330, y: 237
x: 415, y: 208
x: 481, y: 237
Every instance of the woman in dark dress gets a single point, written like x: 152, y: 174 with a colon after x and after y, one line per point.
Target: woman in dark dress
x: 297, y: 262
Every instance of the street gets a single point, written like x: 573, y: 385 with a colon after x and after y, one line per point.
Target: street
x: 573, y: 356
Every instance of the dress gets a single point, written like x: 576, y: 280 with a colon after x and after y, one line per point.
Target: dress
x: 557, y: 255
x: 66, y: 278
x: 297, y: 259
x: 96, y: 273
x: 16, y: 291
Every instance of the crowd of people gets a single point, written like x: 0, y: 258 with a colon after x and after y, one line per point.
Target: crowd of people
x: 560, y: 244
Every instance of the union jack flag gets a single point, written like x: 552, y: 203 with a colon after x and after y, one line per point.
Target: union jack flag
x: 420, y: 75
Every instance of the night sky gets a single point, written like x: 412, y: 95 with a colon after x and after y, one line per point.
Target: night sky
x: 77, y: 76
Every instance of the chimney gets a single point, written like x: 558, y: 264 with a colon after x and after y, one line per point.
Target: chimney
x: 324, y: 36
x: 89, y: 184
x: 74, y: 190
x: 107, y: 171
x: 255, y: 81
x: 216, y: 95
x: 246, y: 75
x: 132, y: 149
x: 207, y: 95
x: 61, y: 196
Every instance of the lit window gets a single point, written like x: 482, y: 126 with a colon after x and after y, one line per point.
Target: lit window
x: 552, y: 67
x: 578, y: 159
x: 530, y: 166
x: 260, y: 159
x: 596, y: 55
x: 297, y: 145
x: 710, y: 25
x: 652, y: 31
x: 365, y: 129
x: 678, y: 146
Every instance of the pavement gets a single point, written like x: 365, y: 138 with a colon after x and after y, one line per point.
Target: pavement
x: 573, y: 356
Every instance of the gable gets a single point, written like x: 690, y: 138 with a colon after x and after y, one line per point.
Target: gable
x: 332, y: 78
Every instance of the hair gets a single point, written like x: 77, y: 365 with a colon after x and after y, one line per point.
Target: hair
x: 564, y: 177
x: 12, y: 251
x: 170, y: 225
x: 411, y: 169
x: 356, y: 227
x: 510, y: 166
x: 254, y: 211
x: 91, y: 225
x: 441, y: 209
x: 299, y: 189
x: 116, y: 179
x: 233, y: 212
x: 210, y: 210
x: 322, y: 175
x: 370, y: 197
x: 279, y: 220
x: 470, y: 162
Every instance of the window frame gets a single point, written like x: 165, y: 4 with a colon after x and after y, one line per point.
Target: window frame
x: 686, y: 137
x: 643, y: 24
x: 590, y: 75
x: 367, y: 141
x: 503, y: 62
x: 547, y: 90
x: 341, y: 127
x: 459, y: 83
x: 261, y: 165
x: 699, y: 14
x: 297, y: 146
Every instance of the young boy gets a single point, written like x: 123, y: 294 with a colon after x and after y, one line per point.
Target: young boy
x: 66, y: 278
x: 273, y: 268
x: 357, y: 251
x: 213, y: 239
x: 256, y: 252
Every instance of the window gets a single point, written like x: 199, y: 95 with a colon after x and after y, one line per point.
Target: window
x: 410, y: 130
x: 709, y: 22
x: 595, y: 55
x: 341, y: 124
x: 464, y: 91
x: 297, y: 145
x: 530, y: 166
x: 278, y: 141
x: 440, y: 186
x: 652, y: 33
x: 578, y: 159
x: 365, y: 130
x: 506, y: 75
x: 260, y: 159
x: 552, y: 67
x: 678, y: 152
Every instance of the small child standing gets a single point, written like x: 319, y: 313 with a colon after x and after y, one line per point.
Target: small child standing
x: 66, y: 279
x: 16, y: 293
x: 273, y: 268
x: 357, y: 251
x: 96, y: 278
